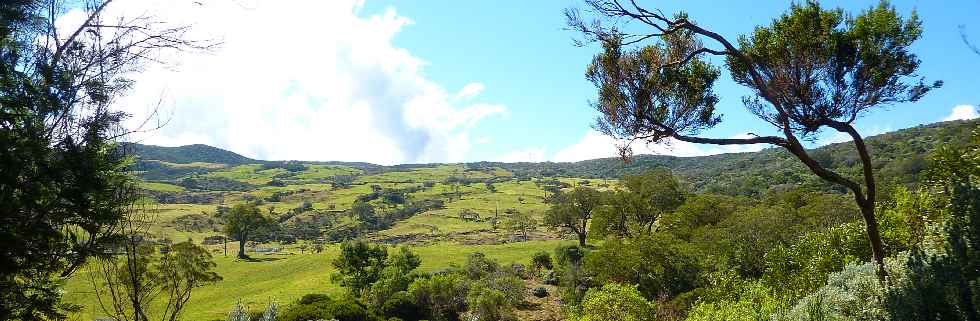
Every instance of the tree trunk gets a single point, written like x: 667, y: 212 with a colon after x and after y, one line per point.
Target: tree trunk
x: 581, y: 239
x: 877, y: 248
x: 241, y: 247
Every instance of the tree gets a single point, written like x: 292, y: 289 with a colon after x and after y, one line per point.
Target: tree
x: 363, y: 212
x: 243, y: 222
x: 635, y: 210
x: 185, y: 267
x: 127, y: 286
x: 522, y: 223
x: 359, y: 264
x: 809, y: 70
x: 573, y: 210
x: 63, y: 181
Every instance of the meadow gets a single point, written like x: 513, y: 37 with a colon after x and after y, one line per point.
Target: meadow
x: 285, y: 276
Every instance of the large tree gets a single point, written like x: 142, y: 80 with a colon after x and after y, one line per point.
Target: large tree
x: 243, y: 223
x: 810, y: 69
x: 573, y: 210
x: 63, y: 187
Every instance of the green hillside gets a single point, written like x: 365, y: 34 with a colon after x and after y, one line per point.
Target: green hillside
x: 446, y: 211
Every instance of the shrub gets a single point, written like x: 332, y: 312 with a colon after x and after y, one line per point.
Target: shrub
x: 488, y: 304
x: 614, y: 301
x: 569, y: 254
x: 541, y: 260
x: 540, y: 292
x: 442, y: 296
x: 749, y: 301
x: 321, y: 307
x: 658, y: 264
x: 478, y: 266
x: 851, y: 294
x: 400, y: 306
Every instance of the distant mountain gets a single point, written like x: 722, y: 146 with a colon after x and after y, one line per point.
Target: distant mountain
x: 898, y: 158
x: 186, y: 154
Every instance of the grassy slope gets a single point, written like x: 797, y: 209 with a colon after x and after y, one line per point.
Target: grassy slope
x: 285, y: 278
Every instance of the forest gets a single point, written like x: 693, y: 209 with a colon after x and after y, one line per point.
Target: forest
x: 882, y: 227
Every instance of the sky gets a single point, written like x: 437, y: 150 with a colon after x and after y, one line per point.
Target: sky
x: 415, y: 81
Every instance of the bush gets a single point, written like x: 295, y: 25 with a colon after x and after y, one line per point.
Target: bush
x: 851, y: 294
x: 322, y: 307
x: 614, y: 301
x: 749, y: 301
x: 488, y: 304
x: 658, y: 264
x: 540, y: 292
x: 569, y: 254
x: 400, y: 306
x: 442, y: 296
x: 541, y: 260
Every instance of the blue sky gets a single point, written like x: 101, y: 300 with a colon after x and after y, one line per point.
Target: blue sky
x: 526, y: 91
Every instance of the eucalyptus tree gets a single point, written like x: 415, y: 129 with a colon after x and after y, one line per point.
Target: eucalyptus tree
x: 809, y: 70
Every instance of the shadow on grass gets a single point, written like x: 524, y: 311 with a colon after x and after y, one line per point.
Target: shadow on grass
x: 261, y: 259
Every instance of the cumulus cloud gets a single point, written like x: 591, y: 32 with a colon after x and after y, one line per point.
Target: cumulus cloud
x: 963, y: 112
x: 308, y: 80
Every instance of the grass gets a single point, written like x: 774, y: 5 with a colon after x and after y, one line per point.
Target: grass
x: 286, y: 277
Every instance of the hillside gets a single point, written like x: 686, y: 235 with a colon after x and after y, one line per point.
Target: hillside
x: 444, y: 211
x: 898, y: 156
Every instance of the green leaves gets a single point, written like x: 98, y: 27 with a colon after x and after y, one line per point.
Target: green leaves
x: 654, y: 90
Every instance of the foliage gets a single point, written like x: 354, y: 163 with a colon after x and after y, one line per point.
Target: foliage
x: 487, y: 304
x: 804, y: 265
x: 750, y: 301
x: 443, y: 296
x: 614, y: 301
x: 521, y: 222
x: 946, y: 285
x: 359, y: 264
x: 658, y: 264
x: 541, y: 260
x: 131, y: 285
x: 394, y: 278
x: 573, y: 210
x: 321, y: 307
x: 243, y: 223
x: 809, y: 69
x: 400, y: 305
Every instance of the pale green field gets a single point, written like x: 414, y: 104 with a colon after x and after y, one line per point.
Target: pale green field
x: 286, y: 277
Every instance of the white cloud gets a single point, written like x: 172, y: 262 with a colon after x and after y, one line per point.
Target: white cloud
x: 469, y: 91
x: 962, y: 112
x: 309, y: 80
x: 531, y: 154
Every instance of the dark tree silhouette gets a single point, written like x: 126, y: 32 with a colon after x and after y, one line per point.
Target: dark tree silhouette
x: 810, y: 69
x: 63, y: 182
